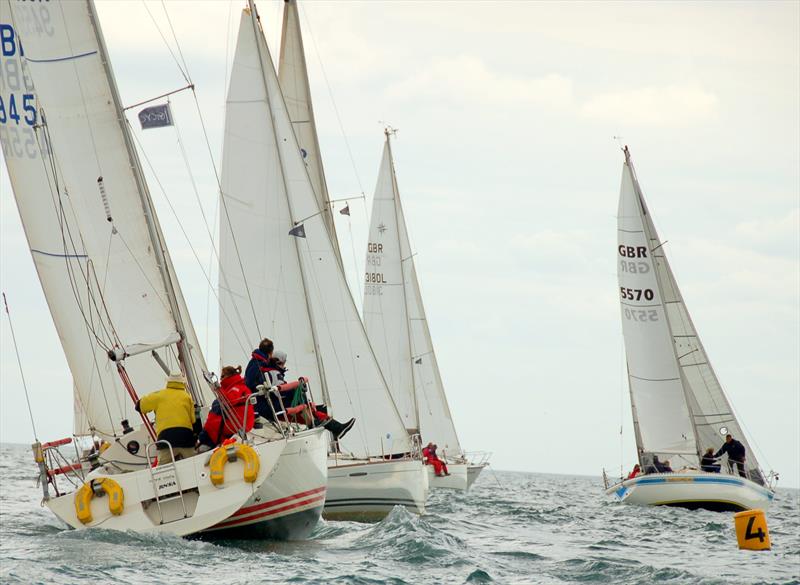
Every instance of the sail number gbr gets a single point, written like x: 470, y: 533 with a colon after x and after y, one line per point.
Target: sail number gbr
x: 636, y: 294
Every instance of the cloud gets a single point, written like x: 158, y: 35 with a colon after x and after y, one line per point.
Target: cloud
x: 653, y: 106
x: 777, y: 236
x: 468, y: 79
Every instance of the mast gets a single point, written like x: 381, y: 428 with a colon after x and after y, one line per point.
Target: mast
x: 147, y: 208
x: 314, y: 334
x: 395, y: 193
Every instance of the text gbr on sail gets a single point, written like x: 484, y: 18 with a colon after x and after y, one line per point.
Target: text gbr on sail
x: 633, y: 266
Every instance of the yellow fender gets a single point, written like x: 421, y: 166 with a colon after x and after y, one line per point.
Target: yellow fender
x: 83, y: 498
x: 227, y: 453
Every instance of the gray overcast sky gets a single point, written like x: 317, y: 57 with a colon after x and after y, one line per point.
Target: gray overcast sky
x: 509, y: 177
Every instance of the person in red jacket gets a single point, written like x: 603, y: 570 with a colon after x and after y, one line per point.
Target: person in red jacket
x: 219, y: 426
x: 636, y: 471
x: 439, y: 466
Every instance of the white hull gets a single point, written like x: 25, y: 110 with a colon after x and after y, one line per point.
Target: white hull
x: 693, y: 489
x: 473, y: 471
x: 462, y: 476
x: 457, y: 480
x: 289, y: 503
x: 368, y: 490
x: 202, y: 504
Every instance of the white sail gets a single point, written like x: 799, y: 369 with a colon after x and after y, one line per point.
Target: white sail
x: 711, y: 415
x: 293, y: 78
x: 661, y: 415
x: 299, y: 292
x: 394, y: 317
x: 84, y: 207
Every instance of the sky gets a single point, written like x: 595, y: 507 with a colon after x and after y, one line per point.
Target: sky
x: 510, y: 118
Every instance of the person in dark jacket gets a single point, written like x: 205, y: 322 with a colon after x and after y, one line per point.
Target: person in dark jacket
x: 708, y: 462
x: 256, y: 374
x: 736, y: 454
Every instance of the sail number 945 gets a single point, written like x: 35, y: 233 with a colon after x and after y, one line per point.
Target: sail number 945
x: 636, y: 294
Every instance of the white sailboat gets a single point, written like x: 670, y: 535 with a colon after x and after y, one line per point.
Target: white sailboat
x: 299, y: 293
x: 679, y: 407
x: 397, y: 327
x: 109, y: 283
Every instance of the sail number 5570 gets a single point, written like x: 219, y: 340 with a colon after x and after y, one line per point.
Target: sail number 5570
x: 636, y: 294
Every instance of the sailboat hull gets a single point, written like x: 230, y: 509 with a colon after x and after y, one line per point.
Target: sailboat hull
x: 696, y: 489
x: 457, y: 480
x: 288, y: 505
x: 196, y: 505
x: 367, y: 491
x: 473, y: 471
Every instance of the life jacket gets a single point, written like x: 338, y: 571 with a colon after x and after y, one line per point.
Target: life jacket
x: 236, y: 393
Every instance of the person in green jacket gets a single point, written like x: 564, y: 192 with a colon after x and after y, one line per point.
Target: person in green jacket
x: 175, y: 418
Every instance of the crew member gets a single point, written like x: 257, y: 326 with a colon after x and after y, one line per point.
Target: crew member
x: 439, y: 466
x: 708, y: 462
x: 636, y: 471
x: 218, y: 425
x: 175, y: 418
x: 736, y: 454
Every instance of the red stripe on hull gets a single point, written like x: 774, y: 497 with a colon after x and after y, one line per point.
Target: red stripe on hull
x: 250, y: 509
x: 273, y: 512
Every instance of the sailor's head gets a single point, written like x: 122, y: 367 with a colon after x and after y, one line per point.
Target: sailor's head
x: 176, y: 380
x: 636, y: 467
x: 728, y: 438
x: 229, y: 371
x: 710, y: 451
x: 266, y: 347
x: 280, y: 357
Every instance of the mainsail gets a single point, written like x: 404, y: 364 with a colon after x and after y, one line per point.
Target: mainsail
x: 299, y: 293
x: 88, y: 217
x: 394, y: 317
x: 679, y: 406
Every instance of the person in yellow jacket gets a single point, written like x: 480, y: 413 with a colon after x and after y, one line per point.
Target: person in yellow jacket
x: 175, y: 418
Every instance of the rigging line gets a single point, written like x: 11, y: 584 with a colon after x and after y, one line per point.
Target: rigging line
x: 333, y: 101
x: 186, y: 236
x: 228, y: 220
x: 355, y: 261
x: 21, y: 373
x: 210, y: 272
x: 64, y: 223
x: 177, y: 44
x: 163, y: 38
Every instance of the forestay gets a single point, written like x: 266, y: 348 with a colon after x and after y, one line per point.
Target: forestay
x: 84, y: 208
x: 300, y: 295
x: 394, y: 317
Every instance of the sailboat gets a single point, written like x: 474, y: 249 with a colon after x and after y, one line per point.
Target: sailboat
x: 679, y: 407
x: 397, y: 326
x: 110, y: 286
x: 291, y: 270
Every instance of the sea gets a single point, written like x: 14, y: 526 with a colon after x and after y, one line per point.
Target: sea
x: 509, y: 528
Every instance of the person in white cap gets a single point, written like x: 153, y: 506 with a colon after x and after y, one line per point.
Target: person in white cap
x: 175, y: 417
